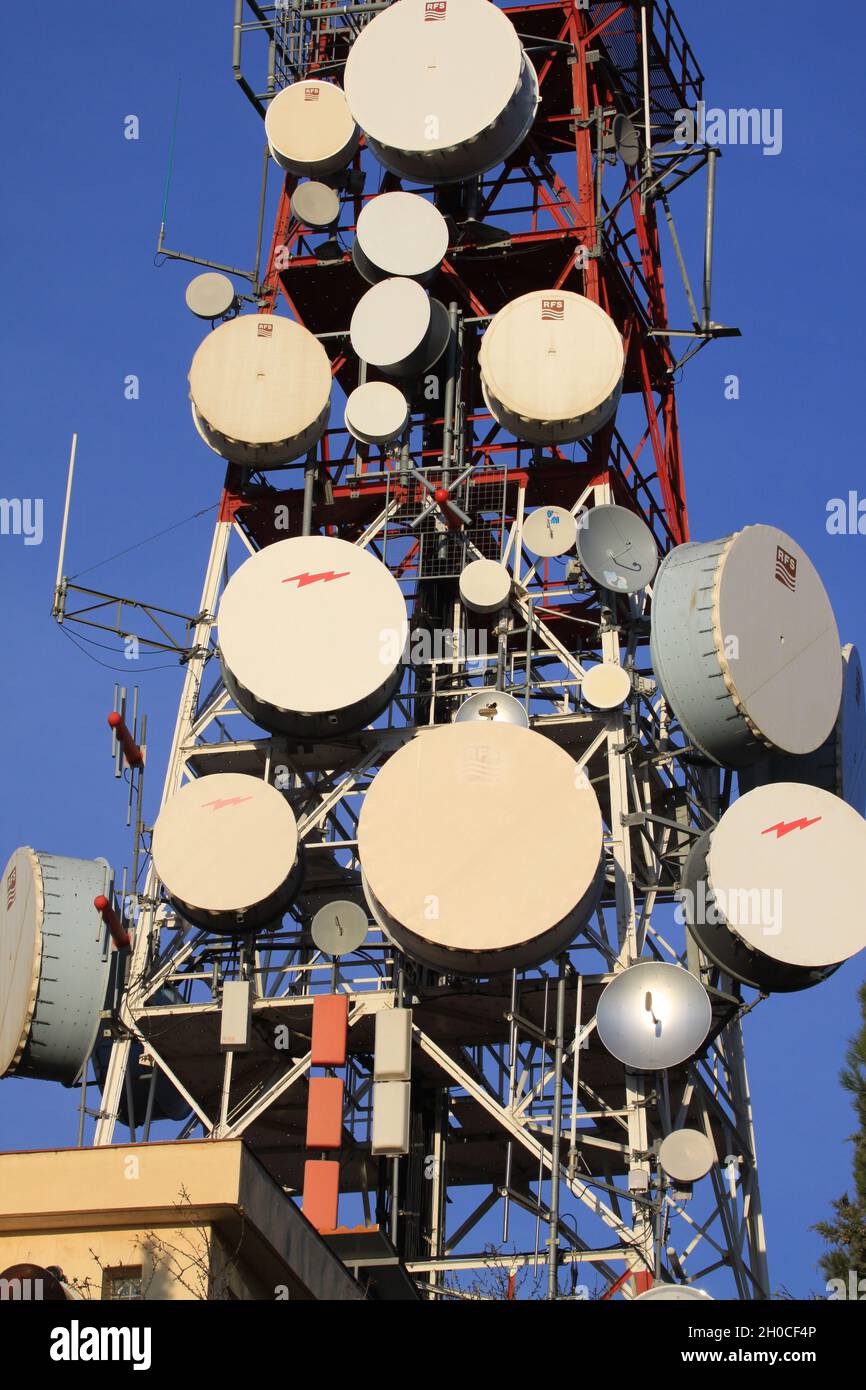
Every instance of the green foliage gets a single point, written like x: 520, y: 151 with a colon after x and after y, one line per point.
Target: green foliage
x: 845, y: 1234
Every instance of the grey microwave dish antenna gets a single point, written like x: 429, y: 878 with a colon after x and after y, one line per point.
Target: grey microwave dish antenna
x: 617, y: 549
x: 626, y: 140
x: 552, y: 365
x: 260, y: 387
x: 316, y: 205
x: 339, y: 928
x: 549, y: 532
x: 399, y: 329
x: 653, y: 1016
x: 399, y: 234
x: 225, y: 848
x: 761, y: 902
x: 745, y: 646
x: 211, y: 296
x: 606, y: 686
x: 54, y: 964
x: 485, y: 586
x: 839, y: 765
x: 346, y: 618
x: 457, y: 894
x: 687, y: 1155
x: 492, y: 706
x: 310, y: 130
x: 376, y: 413
x: 460, y: 60
x: 674, y: 1293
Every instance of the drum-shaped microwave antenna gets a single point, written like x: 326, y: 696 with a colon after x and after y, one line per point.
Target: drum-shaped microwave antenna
x: 376, y: 413
x: 316, y: 205
x: 687, y: 1155
x: 211, y: 296
x: 312, y: 632
x: 745, y: 646
x: 398, y: 328
x: 310, y: 130
x: 552, y: 367
x: 260, y: 388
x: 399, y: 234
x: 226, y: 850
x: 653, y: 1016
x: 617, y: 549
x: 760, y: 901
x: 606, y: 686
x: 485, y: 586
x: 445, y: 880
x: 339, y: 928
x: 54, y: 964
x: 550, y: 531
x: 442, y: 90
x: 492, y: 706
x: 839, y: 765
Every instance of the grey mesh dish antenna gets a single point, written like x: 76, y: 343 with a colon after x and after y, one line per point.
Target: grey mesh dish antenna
x: 653, y: 1016
x: 339, y: 928
x: 626, y: 141
x: 211, y: 296
x: 617, y: 549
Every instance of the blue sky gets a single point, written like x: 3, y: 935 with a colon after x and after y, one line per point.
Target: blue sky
x: 85, y: 308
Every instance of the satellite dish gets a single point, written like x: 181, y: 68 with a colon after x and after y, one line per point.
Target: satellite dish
x: 225, y: 848
x: 260, y: 387
x: 399, y: 329
x: 687, y: 1155
x: 376, y: 413
x: 492, y: 707
x: 550, y: 531
x: 211, y: 296
x: 617, y: 549
x: 399, y: 234
x: 416, y: 57
x: 745, y: 646
x: 839, y: 765
x: 606, y: 686
x: 552, y: 367
x: 485, y: 586
x: 347, y: 618
x: 437, y: 831
x: 626, y: 140
x: 653, y: 1016
x: 339, y: 928
x: 761, y: 903
x: 673, y: 1293
x: 310, y: 130
x: 316, y: 205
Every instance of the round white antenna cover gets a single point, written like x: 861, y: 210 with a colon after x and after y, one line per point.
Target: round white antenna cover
x: 261, y: 390
x: 398, y: 328
x: 310, y: 130
x: 550, y: 531
x: 316, y: 205
x: 653, y: 1016
x: 339, y: 928
x: 606, y: 686
x: 400, y: 234
x: 492, y: 706
x: 485, y: 586
x: 552, y: 367
x: 454, y: 880
x: 210, y: 296
x: 785, y: 865
x: 376, y: 413
x: 226, y: 848
x: 673, y: 1293
x: 687, y: 1155
x: 312, y: 632
x: 442, y: 89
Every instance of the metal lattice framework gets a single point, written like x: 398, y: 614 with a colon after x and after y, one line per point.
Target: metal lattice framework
x: 519, y: 1114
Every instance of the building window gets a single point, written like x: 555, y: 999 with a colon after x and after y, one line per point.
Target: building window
x: 124, y: 1282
